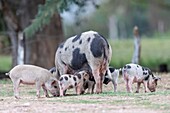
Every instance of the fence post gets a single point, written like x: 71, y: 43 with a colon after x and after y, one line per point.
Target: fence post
x: 137, y: 46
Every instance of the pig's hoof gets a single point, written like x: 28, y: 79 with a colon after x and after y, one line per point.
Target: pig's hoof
x: 38, y: 96
x: 47, y: 96
x: 17, y: 97
x: 137, y: 92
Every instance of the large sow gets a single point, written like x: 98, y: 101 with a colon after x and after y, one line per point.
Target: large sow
x: 87, y: 49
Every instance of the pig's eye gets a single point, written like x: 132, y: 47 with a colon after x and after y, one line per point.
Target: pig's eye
x: 55, y: 86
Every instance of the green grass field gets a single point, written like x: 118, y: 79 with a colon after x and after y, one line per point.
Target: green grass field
x: 153, y: 52
x: 5, y: 63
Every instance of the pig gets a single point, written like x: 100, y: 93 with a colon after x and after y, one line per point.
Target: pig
x: 88, y: 48
x: 111, y: 75
x: 53, y: 71
x: 31, y: 74
x: 72, y: 81
x: 134, y: 73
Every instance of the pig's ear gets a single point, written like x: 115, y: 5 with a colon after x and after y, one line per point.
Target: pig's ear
x: 157, y: 78
x: 53, y: 82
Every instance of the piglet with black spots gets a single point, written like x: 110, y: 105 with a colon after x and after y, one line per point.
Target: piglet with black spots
x: 134, y: 73
x: 30, y: 74
x: 76, y: 81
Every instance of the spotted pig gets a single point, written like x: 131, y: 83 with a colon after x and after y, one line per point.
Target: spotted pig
x: 111, y: 75
x: 72, y: 81
x: 87, y: 48
x: 134, y: 73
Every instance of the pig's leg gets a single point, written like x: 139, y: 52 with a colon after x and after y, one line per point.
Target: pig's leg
x: 62, y: 91
x: 138, y: 86
x: 16, y: 88
x: 98, y: 80
x: 45, y: 91
x: 115, y: 85
x: 129, y: 85
x: 145, y: 86
x: 90, y: 87
x: 38, y: 87
x: 78, y: 92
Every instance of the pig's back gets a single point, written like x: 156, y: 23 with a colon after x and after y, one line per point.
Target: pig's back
x: 29, y: 73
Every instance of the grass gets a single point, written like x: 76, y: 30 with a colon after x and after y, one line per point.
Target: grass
x: 5, y: 62
x: 108, y: 100
x: 154, y: 51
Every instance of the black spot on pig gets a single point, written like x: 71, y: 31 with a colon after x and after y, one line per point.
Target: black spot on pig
x: 52, y: 70
x: 146, y: 78
x: 74, y: 78
x: 69, y: 76
x: 88, y: 39
x: 128, y: 66
x: 76, y: 38
x: 73, y: 47
x: 61, y: 45
x: 145, y: 73
x: 104, y: 39
x: 106, y: 80
x: 97, y: 47
x: 79, y: 76
x: 66, y: 49
x: 78, y: 59
x: 80, y: 42
x: 61, y: 78
x: 66, y: 78
x: 75, y: 84
x: 143, y: 69
x: 111, y: 69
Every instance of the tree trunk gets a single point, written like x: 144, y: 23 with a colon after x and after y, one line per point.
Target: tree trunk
x: 12, y: 27
x: 44, y: 47
x: 40, y: 50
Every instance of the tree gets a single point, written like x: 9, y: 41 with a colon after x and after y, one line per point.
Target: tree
x: 40, y: 49
x: 45, y: 30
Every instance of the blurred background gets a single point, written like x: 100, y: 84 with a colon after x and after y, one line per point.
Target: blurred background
x: 30, y: 31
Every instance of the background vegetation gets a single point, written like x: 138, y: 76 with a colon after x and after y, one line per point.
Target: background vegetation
x: 49, y: 22
x: 154, y: 51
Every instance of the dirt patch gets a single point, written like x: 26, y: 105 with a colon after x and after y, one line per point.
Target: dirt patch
x: 108, y: 101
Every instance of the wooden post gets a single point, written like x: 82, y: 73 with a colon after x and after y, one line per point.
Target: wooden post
x: 137, y: 46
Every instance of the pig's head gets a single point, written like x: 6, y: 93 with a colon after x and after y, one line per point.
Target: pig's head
x: 52, y: 86
x: 83, y: 74
x: 152, y: 83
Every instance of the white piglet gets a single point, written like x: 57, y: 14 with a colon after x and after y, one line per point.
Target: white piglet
x: 30, y: 74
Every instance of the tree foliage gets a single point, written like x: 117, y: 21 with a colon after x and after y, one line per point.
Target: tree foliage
x: 46, y: 11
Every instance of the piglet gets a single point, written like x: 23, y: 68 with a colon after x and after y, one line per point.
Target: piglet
x: 30, y: 74
x: 134, y: 73
x: 76, y: 81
